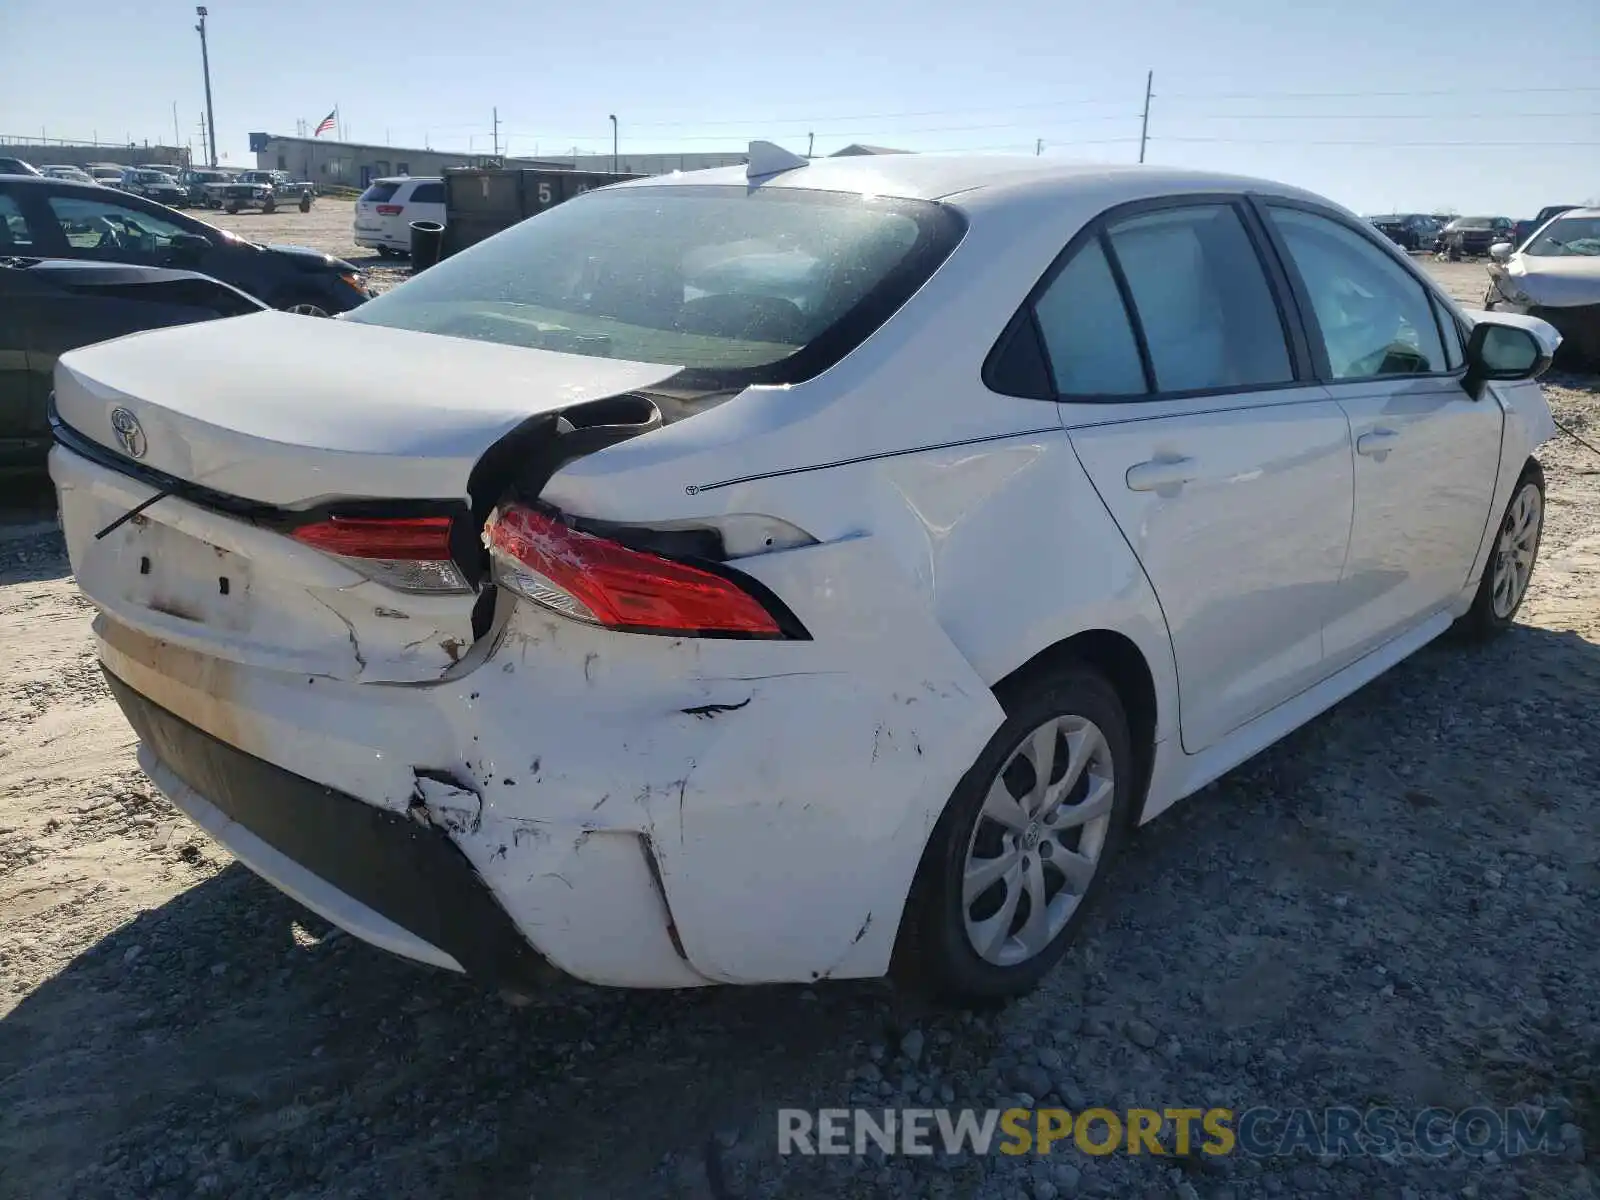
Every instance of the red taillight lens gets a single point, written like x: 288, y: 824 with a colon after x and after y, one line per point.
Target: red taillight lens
x: 390, y: 210
x: 426, y: 538
x: 605, y: 583
x: 410, y: 554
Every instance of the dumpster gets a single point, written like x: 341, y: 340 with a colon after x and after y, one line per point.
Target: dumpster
x: 481, y: 201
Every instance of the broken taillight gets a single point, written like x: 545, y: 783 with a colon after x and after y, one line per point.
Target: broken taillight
x: 410, y: 554
x: 602, y: 582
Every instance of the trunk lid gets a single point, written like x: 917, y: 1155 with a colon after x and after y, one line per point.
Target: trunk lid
x: 292, y: 411
x: 282, y: 421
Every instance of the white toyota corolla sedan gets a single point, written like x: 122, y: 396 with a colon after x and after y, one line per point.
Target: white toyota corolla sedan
x: 786, y: 573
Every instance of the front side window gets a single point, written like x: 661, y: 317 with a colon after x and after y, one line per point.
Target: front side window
x: 1201, y: 296
x: 100, y: 229
x: 1087, y: 337
x: 712, y: 279
x: 1374, y: 317
x: 1567, y: 237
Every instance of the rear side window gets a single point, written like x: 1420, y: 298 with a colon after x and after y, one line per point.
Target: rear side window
x: 1086, y: 333
x: 428, y: 193
x: 14, y: 232
x: 1375, y: 319
x: 1202, y: 299
x: 378, y: 193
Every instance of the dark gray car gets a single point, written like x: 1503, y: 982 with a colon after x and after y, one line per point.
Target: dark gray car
x: 50, y: 306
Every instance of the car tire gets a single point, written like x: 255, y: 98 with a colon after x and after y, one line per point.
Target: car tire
x: 969, y: 933
x: 305, y: 204
x: 1512, y: 558
x: 232, y: 206
x: 268, y: 207
x: 307, y: 306
x: 386, y: 252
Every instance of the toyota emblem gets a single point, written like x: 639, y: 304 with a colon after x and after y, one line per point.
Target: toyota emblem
x: 130, y: 434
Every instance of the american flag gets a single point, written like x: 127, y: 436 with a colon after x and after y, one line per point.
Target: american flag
x: 327, y: 123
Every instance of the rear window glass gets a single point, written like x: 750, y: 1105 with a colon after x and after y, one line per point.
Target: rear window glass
x: 737, y: 283
x: 379, y: 192
x: 428, y: 193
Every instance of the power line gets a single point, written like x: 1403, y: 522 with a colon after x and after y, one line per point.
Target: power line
x: 1476, y: 91
x: 1396, y: 145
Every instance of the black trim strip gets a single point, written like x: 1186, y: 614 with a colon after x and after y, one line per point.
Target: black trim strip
x: 408, y: 872
x: 694, y: 489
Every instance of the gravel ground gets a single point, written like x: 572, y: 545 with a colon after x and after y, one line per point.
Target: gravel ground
x: 1392, y: 906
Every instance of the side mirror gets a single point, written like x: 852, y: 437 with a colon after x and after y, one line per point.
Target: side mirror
x: 1505, y: 353
x: 1500, y: 251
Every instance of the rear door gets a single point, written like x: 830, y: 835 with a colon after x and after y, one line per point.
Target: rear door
x: 1188, y: 397
x: 426, y: 202
x: 1427, y: 453
x: 369, y: 222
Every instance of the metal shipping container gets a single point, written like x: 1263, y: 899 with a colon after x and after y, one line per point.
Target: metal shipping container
x: 481, y: 201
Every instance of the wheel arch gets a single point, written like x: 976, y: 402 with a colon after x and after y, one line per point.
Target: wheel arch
x: 1118, y: 658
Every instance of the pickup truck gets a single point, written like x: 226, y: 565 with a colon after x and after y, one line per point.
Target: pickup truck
x: 266, y: 190
x: 1524, y: 229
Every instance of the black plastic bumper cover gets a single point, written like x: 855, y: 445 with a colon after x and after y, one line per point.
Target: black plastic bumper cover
x: 411, y: 873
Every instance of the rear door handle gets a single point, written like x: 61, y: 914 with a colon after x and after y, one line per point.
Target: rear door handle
x: 1377, y: 443
x: 1161, y: 474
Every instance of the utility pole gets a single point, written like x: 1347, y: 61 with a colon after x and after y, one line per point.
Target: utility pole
x: 497, y: 131
x: 205, y: 63
x: 177, y: 138
x: 1038, y: 147
x: 811, y: 141
x: 613, y: 143
x: 1144, y: 125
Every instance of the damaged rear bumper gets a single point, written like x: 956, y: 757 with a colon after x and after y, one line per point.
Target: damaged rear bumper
x: 402, y: 885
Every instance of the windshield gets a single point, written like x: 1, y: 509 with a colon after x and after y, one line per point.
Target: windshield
x: 766, y: 285
x: 1568, y: 237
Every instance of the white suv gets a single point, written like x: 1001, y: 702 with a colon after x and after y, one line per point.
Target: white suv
x: 386, y: 209
x: 741, y: 578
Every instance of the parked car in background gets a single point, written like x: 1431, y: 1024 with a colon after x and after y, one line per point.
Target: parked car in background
x: 852, y: 607
x: 198, y: 181
x: 153, y: 185
x: 1522, y: 230
x: 108, y: 174
x: 1555, y: 276
x: 50, y: 218
x: 1409, y: 231
x: 68, y: 172
x: 15, y: 166
x: 50, y: 306
x: 266, y: 190
x: 384, y: 212
x: 1471, y: 237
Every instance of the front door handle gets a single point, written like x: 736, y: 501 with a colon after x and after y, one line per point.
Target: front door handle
x: 1161, y: 474
x: 1377, y: 443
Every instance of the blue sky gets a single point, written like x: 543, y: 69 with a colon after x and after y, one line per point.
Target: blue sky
x: 1356, y: 100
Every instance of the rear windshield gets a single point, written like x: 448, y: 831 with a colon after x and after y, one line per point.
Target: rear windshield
x: 379, y: 192
x: 1568, y: 237
x: 735, y: 285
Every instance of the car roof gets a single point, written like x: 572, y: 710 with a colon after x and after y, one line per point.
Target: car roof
x: 1576, y: 212
x: 410, y: 179
x: 941, y: 176
x: 107, y: 272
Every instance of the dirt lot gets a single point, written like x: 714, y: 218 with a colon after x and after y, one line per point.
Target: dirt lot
x: 1392, y: 907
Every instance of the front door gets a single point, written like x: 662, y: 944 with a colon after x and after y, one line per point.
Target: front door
x: 1426, y: 453
x: 1229, y: 477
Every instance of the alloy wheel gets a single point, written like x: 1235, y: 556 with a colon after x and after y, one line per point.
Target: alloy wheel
x: 1038, y: 840
x: 307, y: 310
x: 1516, y: 550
